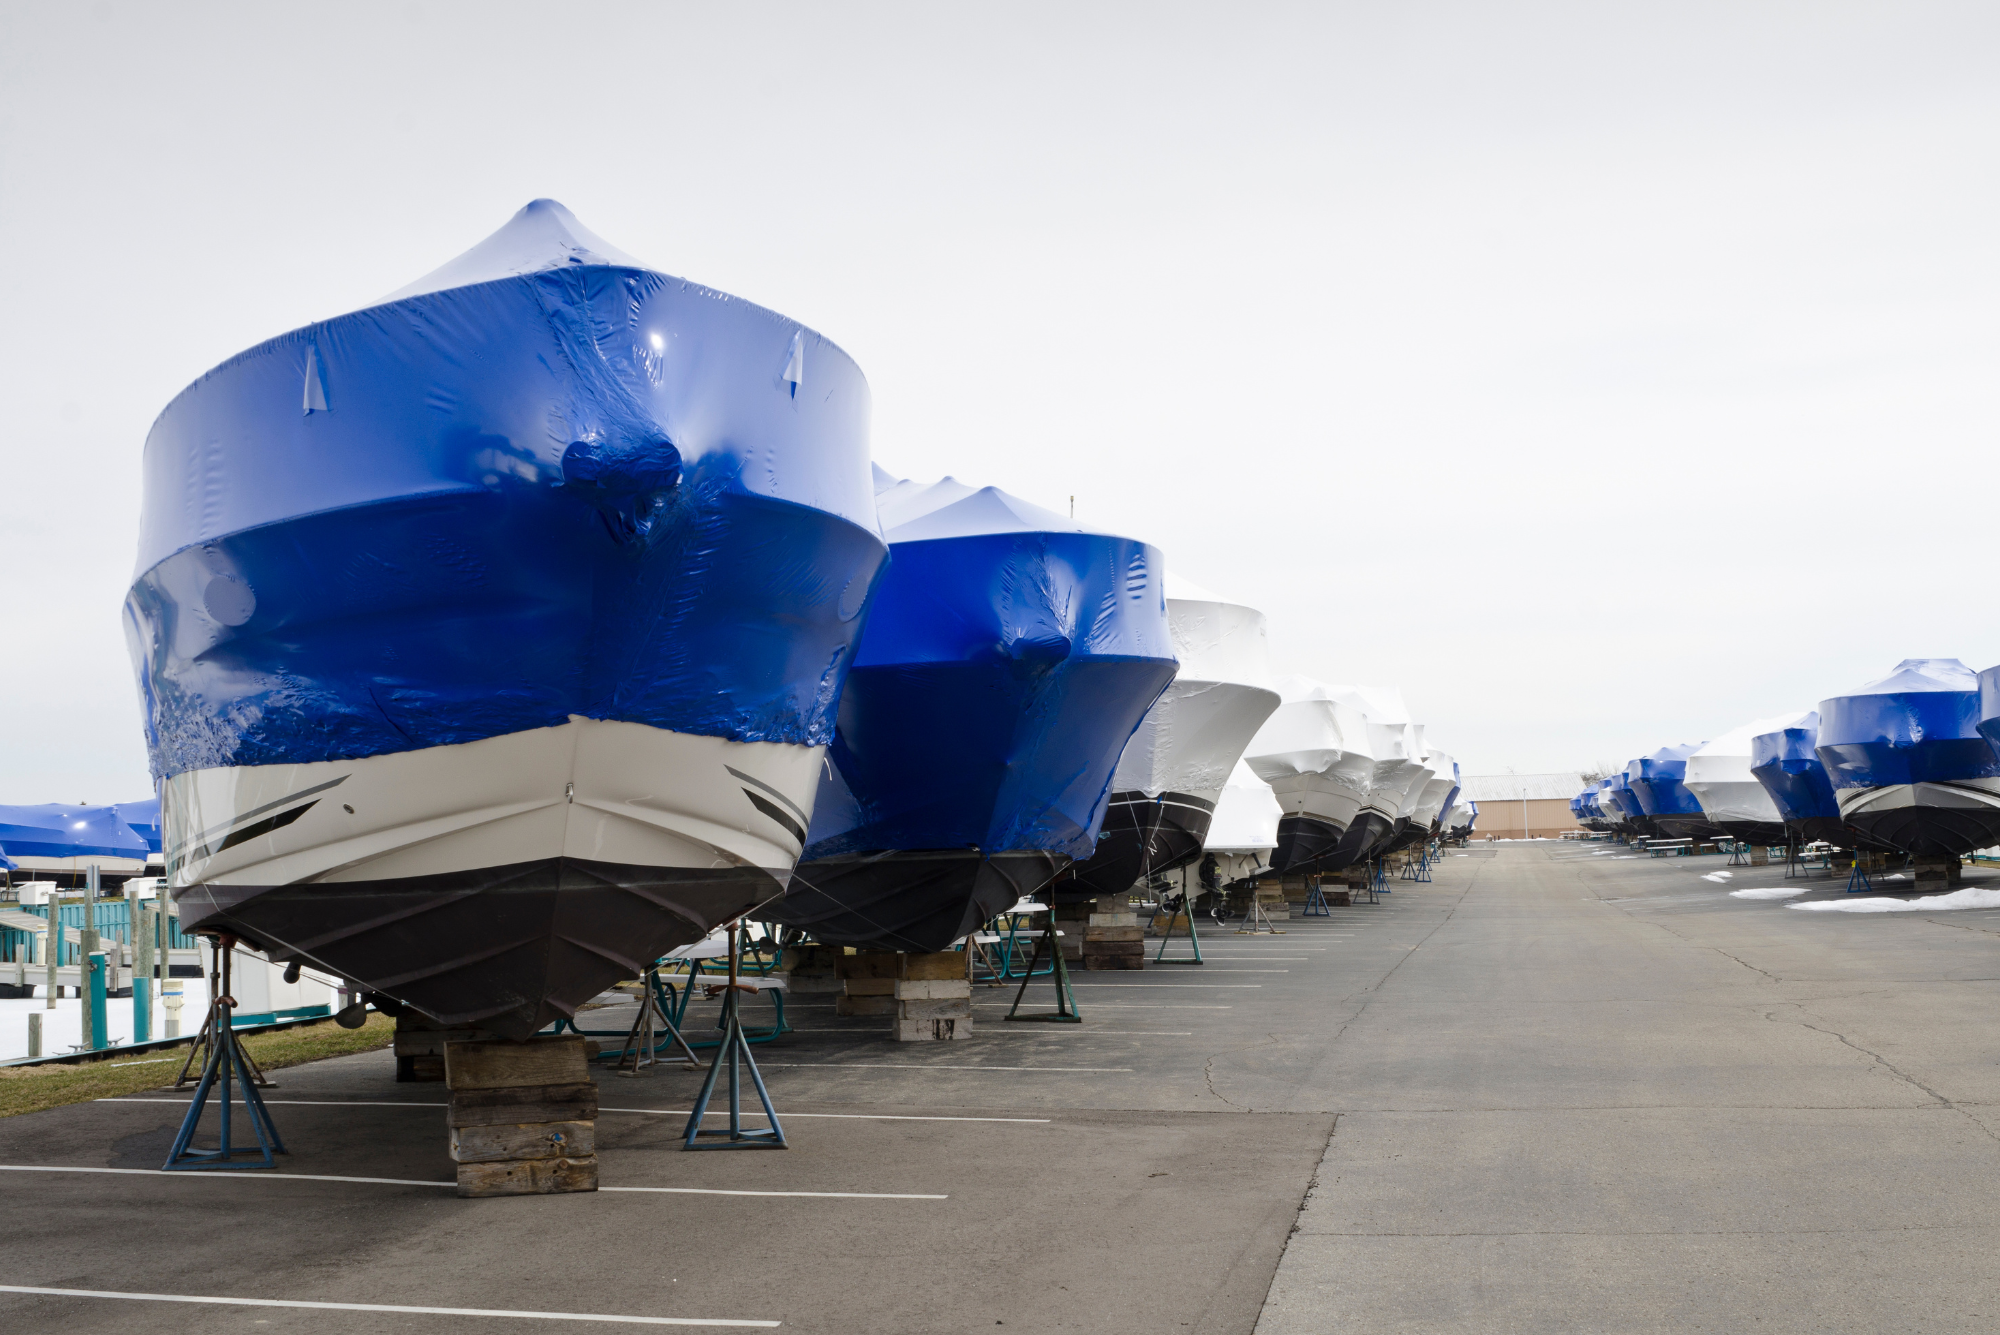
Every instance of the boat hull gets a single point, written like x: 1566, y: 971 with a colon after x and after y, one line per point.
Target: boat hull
x: 1143, y: 836
x: 498, y: 883
x: 914, y: 900
x: 1929, y: 820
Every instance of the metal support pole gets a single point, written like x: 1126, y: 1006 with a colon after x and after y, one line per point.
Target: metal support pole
x: 34, y: 1033
x: 227, y: 1065
x: 95, y: 966
x: 142, y: 976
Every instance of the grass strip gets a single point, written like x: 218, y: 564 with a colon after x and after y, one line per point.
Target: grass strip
x: 26, y: 1089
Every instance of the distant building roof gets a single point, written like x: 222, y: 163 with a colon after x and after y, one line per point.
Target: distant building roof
x: 1521, y: 787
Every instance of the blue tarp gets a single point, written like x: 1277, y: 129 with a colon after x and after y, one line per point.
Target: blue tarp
x: 1788, y: 765
x: 144, y: 819
x: 1656, y: 785
x: 1919, y: 724
x: 60, y: 831
x: 1009, y: 655
x: 544, y: 481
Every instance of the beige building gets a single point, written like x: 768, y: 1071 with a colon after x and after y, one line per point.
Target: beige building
x: 1522, y: 806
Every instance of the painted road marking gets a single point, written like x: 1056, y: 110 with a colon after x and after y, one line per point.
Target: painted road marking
x: 382, y: 1307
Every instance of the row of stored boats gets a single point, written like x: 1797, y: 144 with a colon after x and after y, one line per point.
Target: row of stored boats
x: 503, y: 635
x: 1909, y: 763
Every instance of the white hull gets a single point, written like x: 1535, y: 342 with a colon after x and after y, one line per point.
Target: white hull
x: 588, y: 789
x: 1963, y: 794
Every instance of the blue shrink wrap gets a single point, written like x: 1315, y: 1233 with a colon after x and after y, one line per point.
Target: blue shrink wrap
x: 1009, y: 655
x: 1908, y: 761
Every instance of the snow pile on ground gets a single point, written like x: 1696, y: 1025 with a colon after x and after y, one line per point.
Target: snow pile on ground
x: 1972, y: 897
x: 1719, y: 877
x: 1770, y: 892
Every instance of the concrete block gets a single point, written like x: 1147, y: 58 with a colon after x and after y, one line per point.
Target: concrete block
x: 932, y: 990
x: 530, y: 1140
x: 948, y: 1008
x: 527, y: 1177
x: 1114, y: 920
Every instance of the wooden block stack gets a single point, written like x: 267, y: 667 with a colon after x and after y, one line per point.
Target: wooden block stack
x: 933, y: 998
x: 1271, y: 898
x: 1760, y: 855
x: 523, y: 1116
x: 1112, y: 936
x: 1073, y: 921
x: 927, y: 997
x: 812, y: 969
x: 420, y: 1043
x: 1934, y: 874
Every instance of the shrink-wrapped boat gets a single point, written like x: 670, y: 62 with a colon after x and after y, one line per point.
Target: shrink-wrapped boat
x: 490, y: 636
x: 1172, y: 771
x: 1009, y: 655
x: 1785, y: 760
x: 1658, y: 785
x: 55, y: 839
x: 1908, y: 762
x: 1314, y: 752
x: 1731, y: 796
x: 1244, y: 833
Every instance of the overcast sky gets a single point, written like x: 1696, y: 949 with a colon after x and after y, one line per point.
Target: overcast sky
x: 1602, y: 375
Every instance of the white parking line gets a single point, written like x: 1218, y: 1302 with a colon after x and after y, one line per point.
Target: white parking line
x: 1120, y: 1006
x: 859, y: 1117
x: 425, y: 1182
x: 382, y: 1307
x: 932, y: 1066
x: 675, y: 1112
x: 844, y: 1195
x: 298, y: 1103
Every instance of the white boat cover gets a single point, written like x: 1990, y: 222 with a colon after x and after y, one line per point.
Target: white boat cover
x: 1719, y: 773
x: 1314, y: 751
x: 1444, y: 778
x: 1396, y: 743
x: 1194, y: 735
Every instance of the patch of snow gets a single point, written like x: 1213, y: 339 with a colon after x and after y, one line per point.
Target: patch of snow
x: 1719, y: 877
x: 1769, y: 892
x: 1972, y: 897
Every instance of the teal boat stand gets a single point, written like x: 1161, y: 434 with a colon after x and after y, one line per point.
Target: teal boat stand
x: 1065, y: 1011
x: 1186, y: 910
x: 735, y: 1052
x: 226, y: 1065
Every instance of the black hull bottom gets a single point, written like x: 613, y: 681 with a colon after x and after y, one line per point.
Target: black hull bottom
x: 1832, y: 830
x: 1932, y: 832
x: 1755, y: 831
x: 1406, y: 835
x: 508, y: 949
x: 1689, y: 827
x: 1143, y: 836
x: 1364, y: 839
x: 917, y: 901
x: 1302, y: 842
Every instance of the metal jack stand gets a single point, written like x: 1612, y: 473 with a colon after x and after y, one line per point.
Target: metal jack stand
x: 1256, y: 920
x: 1186, y: 910
x: 1315, y: 901
x: 735, y: 1050
x: 1065, y: 1011
x: 1857, y: 879
x: 227, y: 1064
x: 643, y: 1044
x: 1381, y: 877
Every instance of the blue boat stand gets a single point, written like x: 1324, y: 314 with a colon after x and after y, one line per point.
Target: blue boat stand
x: 735, y: 1053
x: 226, y: 1065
